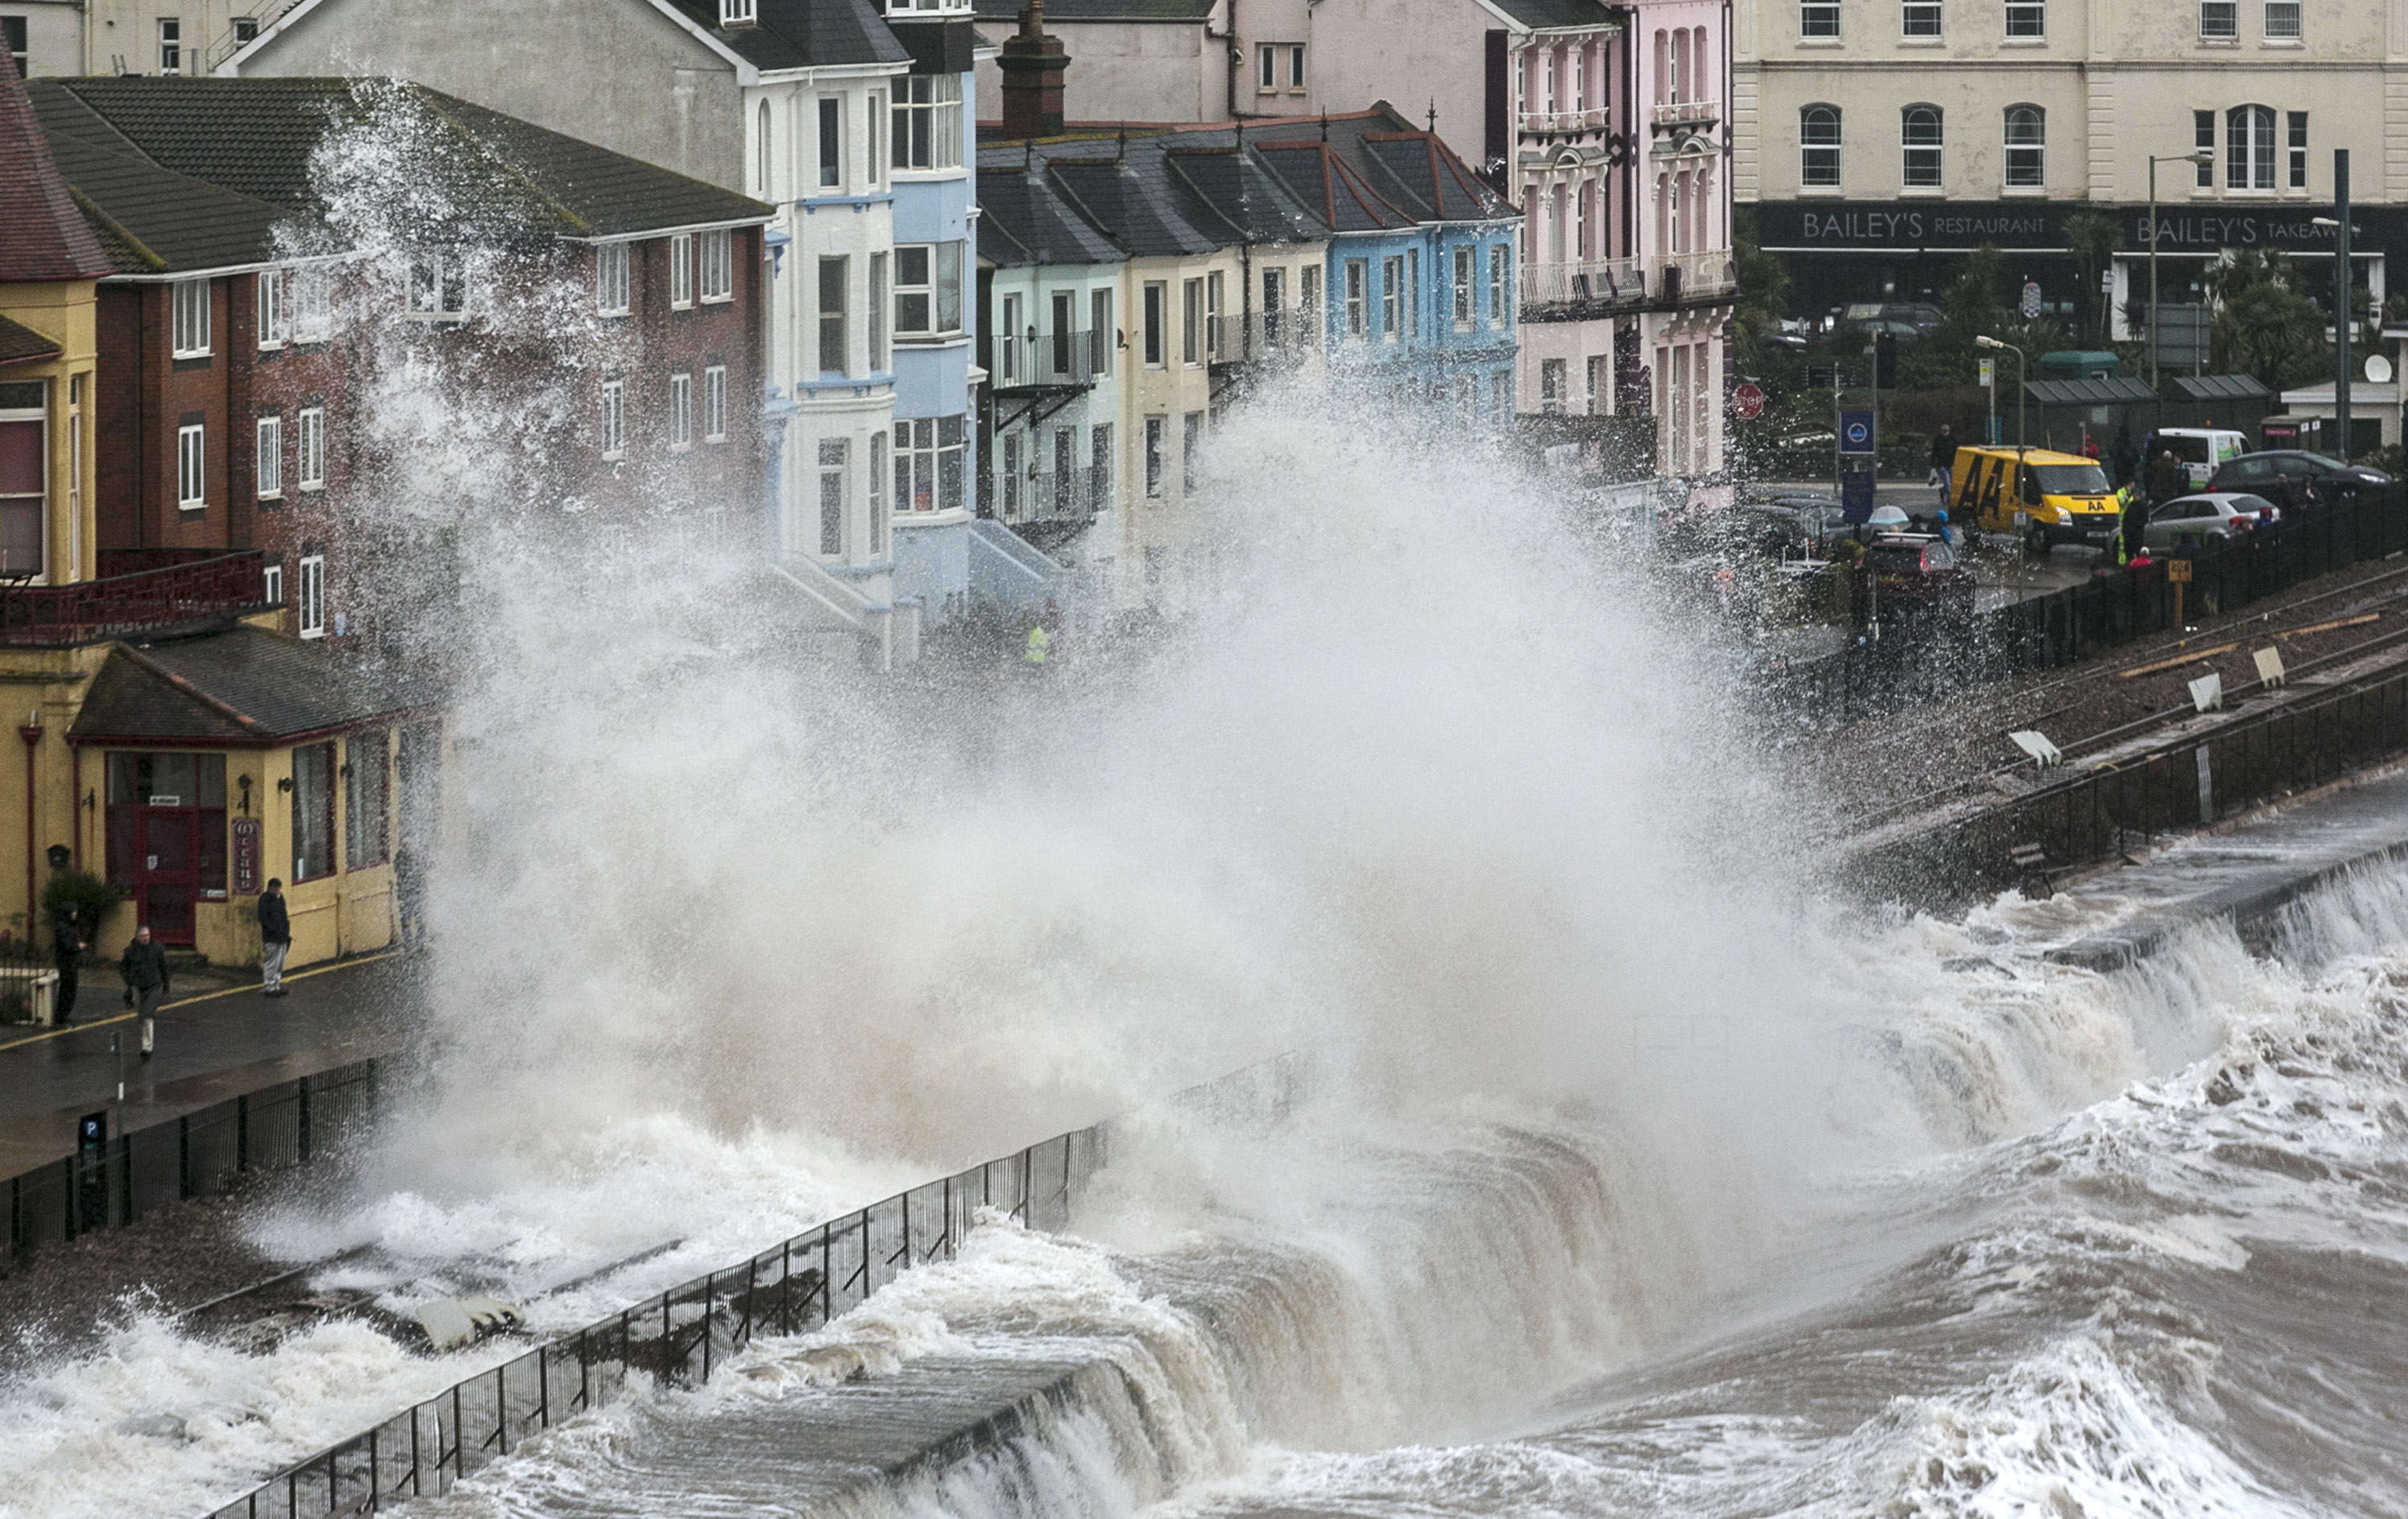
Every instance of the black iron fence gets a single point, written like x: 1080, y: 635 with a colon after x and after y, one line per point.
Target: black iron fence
x: 680, y: 1335
x: 114, y: 1179
x: 1927, y: 653
x: 2094, y: 815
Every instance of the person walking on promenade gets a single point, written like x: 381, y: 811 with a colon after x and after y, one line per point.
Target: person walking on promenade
x: 1943, y: 457
x: 66, y: 954
x: 275, y: 937
x: 144, y: 965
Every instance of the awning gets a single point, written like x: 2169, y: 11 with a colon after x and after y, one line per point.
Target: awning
x: 2220, y: 388
x: 2120, y: 391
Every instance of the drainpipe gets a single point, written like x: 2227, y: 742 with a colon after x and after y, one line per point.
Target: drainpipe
x: 32, y: 734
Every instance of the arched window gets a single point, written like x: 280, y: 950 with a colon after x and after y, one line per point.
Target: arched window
x: 2249, y: 148
x: 1918, y: 134
x: 1818, y: 146
x: 764, y: 149
x: 2026, y: 145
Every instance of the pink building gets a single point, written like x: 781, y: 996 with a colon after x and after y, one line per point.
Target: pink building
x: 1606, y: 123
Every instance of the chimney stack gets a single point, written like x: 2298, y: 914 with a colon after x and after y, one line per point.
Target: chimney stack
x: 1033, y: 64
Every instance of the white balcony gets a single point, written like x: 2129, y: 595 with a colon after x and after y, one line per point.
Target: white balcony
x: 1687, y: 113
x: 1556, y: 122
x: 1595, y: 283
x: 1689, y: 276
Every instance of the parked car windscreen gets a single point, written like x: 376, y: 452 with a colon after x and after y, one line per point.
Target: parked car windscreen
x: 2071, y: 480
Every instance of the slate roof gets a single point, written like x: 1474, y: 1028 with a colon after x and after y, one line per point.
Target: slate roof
x: 1026, y: 216
x: 2220, y: 388
x: 800, y: 33
x: 46, y: 239
x: 1125, y: 201
x: 20, y: 343
x: 1243, y: 192
x: 1545, y: 15
x: 1318, y: 174
x: 2111, y: 392
x: 1195, y: 12
x: 241, y: 686
x: 178, y: 174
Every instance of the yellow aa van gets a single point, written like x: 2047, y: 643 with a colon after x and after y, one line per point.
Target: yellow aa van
x: 2047, y: 499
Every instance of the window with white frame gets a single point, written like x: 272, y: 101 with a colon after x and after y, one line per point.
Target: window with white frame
x: 171, y: 45
x: 1296, y: 65
x: 191, y: 302
x: 1211, y: 318
x: 1392, y: 296
x: 1464, y: 298
x: 836, y: 344
x: 312, y: 297
x: 927, y: 464
x: 614, y: 418
x: 718, y: 272
x: 275, y: 310
x: 2219, y: 20
x: 1818, y: 17
x: 309, y: 602
x: 192, y: 480
x: 267, y: 457
x: 2203, y: 146
x: 1157, y: 317
x: 1155, y: 428
x: 927, y: 131
x: 1500, y: 275
x: 928, y: 289
x: 1267, y: 66
x: 2027, y: 147
x: 682, y: 270
x: 761, y: 162
x: 682, y: 410
x: 737, y: 13
x: 271, y: 584
x: 878, y: 515
x: 831, y: 142
x: 1919, y: 19
x: 2027, y: 18
x: 1191, y: 322
x: 1919, y: 141
x: 833, y: 452
x: 610, y: 280
x: 879, y: 307
x: 1099, y: 322
x: 2297, y: 129
x: 2283, y: 20
x: 438, y: 287
x: 309, y: 447
x: 1818, y: 146
x: 2249, y: 148
x: 714, y: 403
x: 1358, y: 281
x: 1191, y: 449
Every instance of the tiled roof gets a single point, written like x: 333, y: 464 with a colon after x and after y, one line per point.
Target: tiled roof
x: 201, y: 173
x: 1548, y: 15
x: 1026, y: 218
x: 1320, y: 175
x: 19, y: 344
x: 1194, y: 11
x: 803, y: 34
x: 242, y: 685
x: 1128, y: 204
x: 46, y: 239
x: 1243, y: 194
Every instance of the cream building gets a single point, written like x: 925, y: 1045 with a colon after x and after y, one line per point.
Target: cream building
x: 1880, y: 138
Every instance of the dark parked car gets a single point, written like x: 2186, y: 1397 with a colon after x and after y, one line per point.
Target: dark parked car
x: 1794, y: 523
x: 2292, y: 478
x: 1918, y: 567
x: 2215, y: 515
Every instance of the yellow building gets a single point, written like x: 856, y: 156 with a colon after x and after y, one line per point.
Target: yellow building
x: 171, y: 741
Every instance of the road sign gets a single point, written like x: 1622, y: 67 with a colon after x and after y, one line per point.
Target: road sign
x: 1989, y: 373
x: 1857, y: 494
x: 1747, y: 403
x: 2177, y: 571
x: 1855, y: 432
x: 2031, y: 306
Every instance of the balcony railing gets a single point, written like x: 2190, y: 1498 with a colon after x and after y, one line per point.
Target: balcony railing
x: 1688, y: 277
x: 90, y: 610
x: 1563, y: 120
x: 1272, y: 337
x: 1047, y: 497
x: 1687, y: 113
x: 1029, y: 360
x: 1619, y: 281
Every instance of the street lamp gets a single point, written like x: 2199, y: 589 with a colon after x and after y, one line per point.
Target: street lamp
x: 2201, y: 157
x: 2020, y: 399
x: 2343, y: 302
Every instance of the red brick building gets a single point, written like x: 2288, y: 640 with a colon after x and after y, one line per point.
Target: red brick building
x: 232, y: 371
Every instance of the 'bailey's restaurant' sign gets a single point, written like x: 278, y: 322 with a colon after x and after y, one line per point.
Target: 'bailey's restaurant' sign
x: 2038, y: 227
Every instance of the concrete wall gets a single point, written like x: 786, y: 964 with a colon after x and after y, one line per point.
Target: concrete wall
x: 1429, y: 54
x: 671, y: 100
x: 1124, y: 71
x: 54, y: 35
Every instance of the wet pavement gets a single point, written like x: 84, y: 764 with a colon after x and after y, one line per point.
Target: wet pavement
x: 214, y: 1041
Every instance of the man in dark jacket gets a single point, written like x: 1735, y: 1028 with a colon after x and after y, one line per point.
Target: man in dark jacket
x: 275, y: 937
x: 144, y: 965
x: 2166, y: 479
x: 1943, y: 457
x: 66, y: 954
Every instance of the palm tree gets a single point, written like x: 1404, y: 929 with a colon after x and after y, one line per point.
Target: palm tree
x: 2263, y: 326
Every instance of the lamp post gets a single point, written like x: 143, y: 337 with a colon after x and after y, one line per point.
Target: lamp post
x: 2198, y: 157
x: 2020, y: 398
x: 2344, y: 299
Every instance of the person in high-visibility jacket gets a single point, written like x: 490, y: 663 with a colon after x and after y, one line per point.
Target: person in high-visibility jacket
x: 1038, y: 641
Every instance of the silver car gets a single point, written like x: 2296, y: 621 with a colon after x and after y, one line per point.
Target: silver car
x: 2211, y: 514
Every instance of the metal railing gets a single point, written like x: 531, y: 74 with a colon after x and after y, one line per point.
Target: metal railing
x: 1062, y: 358
x: 1282, y: 336
x: 170, y: 592
x: 114, y: 1184
x: 1053, y: 496
x: 682, y: 1335
x: 1682, y: 112
x: 1561, y: 120
x: 1689, y: 276
x: 1597, y: 281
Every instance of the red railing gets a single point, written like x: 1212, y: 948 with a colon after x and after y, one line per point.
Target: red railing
x: 175, y: 592
x: 108, y: 563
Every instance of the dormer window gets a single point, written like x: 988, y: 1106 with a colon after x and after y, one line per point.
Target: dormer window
x: 737, y: 13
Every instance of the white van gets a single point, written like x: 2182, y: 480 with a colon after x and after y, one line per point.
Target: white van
x: 2199, y: 449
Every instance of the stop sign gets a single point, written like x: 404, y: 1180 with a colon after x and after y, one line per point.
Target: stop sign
x: 1747, y: 403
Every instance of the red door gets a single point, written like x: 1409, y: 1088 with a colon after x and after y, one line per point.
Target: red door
x: 166, y: 875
